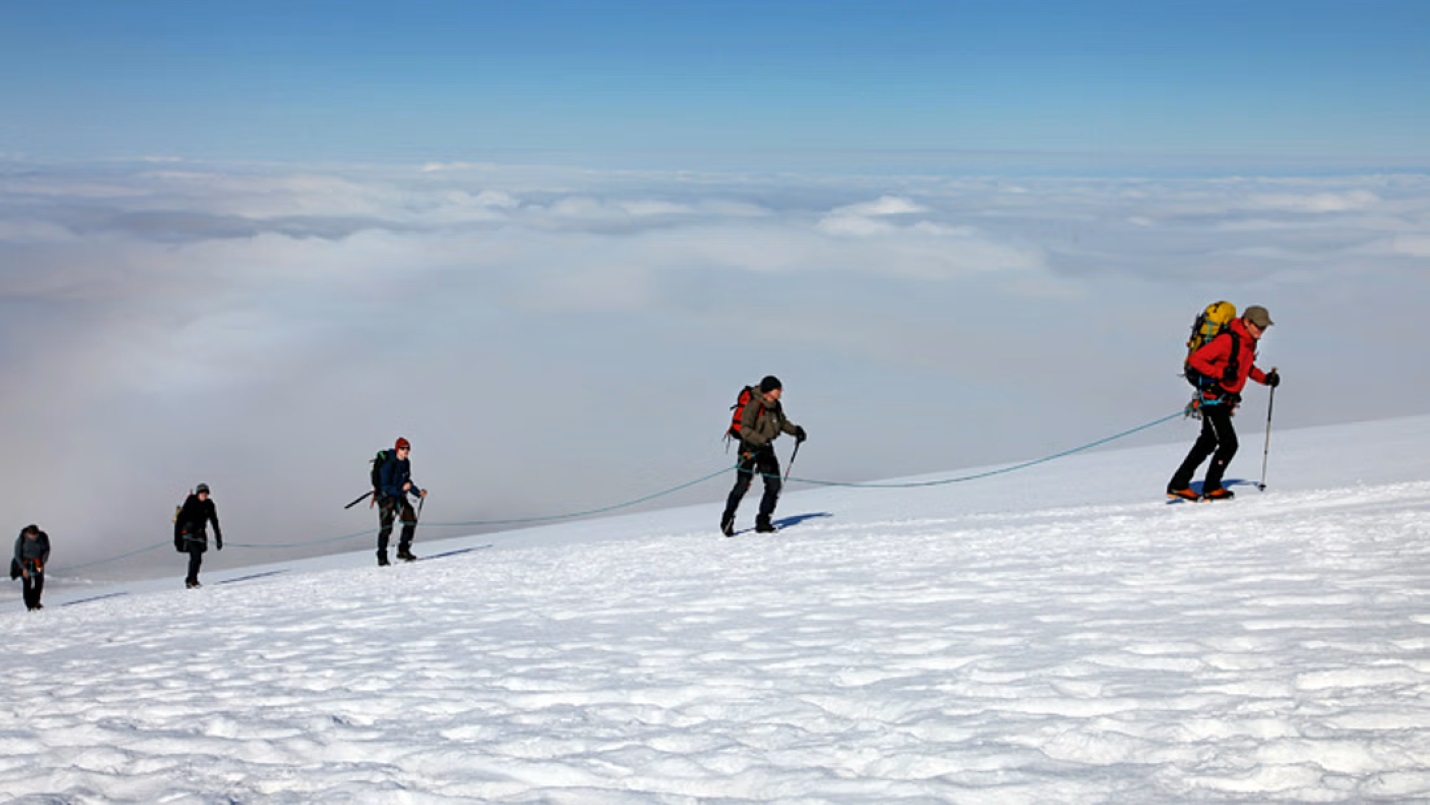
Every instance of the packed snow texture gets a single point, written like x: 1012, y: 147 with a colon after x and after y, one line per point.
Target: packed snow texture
x: 1059, y: 634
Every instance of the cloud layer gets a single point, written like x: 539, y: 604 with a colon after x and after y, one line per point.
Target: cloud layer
x: 554, y: 338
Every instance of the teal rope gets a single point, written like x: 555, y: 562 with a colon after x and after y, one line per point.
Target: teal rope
x: 636, y: 501
x: 353, y: 535
x: 465, y: 524
x: 119, y: 557
x: 586, y: 513
x: 990, y: 473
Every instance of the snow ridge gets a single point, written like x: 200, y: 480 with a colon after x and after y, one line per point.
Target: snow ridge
x: 890, y: 646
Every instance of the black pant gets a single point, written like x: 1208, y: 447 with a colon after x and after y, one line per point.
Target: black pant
x: 1218, y: 440
x: 33, y: 584
x: 196, y: 558
x: 763, y: 461
x: 387, y: 511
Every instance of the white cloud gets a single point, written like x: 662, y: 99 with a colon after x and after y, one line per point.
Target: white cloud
x: 882, y: 206
x: 642, y: 207
x: 442, y: 167
x: 22, y: 231
x: 868, y: 218
x: 194, y: 315
x: 1412, y: 245
x: 1315, y: 202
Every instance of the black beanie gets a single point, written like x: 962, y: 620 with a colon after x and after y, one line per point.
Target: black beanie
x: 769, y: 384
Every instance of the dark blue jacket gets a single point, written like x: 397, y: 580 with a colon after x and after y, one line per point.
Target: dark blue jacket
x: 391, y: 476
x: 37, y: 549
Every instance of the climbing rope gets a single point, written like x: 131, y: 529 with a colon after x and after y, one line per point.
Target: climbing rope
x: 989, y: 473
x: 548, y: 518
x: 588, y: 512
x: 117, y: 558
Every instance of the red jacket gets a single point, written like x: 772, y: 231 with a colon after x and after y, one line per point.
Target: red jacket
x: 1212, y: 358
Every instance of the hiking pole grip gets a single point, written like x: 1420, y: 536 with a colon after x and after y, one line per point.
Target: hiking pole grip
x: 1266, y: 450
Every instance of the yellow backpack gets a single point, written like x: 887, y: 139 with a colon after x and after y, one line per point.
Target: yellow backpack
x: 1210, y: 323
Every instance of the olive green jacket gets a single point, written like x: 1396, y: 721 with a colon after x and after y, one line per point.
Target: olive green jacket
x: 762, y: 422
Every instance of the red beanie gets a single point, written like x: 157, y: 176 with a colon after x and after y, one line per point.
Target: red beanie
x: 403, y: 444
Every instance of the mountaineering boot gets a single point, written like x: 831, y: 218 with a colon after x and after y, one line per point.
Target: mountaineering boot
x: 727, y: 524
x: 1220, y: 493
x: 763, y: 525
x: 406, y: 555
x: 382, y: 559
x: 1182, y: 494
x: 191, y: 583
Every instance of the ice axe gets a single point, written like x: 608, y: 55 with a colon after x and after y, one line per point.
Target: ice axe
x: 365, y: 496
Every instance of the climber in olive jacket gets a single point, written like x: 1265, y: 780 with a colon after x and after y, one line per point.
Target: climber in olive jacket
x: 762, y: 421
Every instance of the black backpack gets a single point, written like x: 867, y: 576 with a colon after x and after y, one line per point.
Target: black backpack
x: 178, y: 532
x: 382, y: 457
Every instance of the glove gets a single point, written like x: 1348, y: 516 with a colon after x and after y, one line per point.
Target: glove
x: 1273, y: 378
x: 799, y: 434
x: 218, y: 541
x: 1228, y: 374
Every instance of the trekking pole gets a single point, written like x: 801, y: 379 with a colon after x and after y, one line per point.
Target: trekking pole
x: 365, y: 496
x: 792, y: 457
x: 1266, y: 451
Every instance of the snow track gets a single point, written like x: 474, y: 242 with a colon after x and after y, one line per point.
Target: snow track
x: 1271, y: 648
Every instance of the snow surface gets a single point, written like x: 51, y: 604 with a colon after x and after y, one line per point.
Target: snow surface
x: 1059, y: 634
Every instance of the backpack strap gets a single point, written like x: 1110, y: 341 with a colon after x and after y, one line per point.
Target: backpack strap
x: 1233, y: 362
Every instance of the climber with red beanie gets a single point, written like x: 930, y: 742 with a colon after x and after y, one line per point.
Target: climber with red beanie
x: 393, y: 477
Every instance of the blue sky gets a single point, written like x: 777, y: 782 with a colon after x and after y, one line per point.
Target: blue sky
x: 1338, y: 82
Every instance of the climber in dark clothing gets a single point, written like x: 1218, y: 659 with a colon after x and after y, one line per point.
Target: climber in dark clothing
x: 32, y: 553
x: 191, y: 531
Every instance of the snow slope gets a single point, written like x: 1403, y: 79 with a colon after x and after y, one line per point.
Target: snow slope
x: 1059, y: 634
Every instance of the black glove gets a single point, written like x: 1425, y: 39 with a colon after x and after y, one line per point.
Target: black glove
x: 799, y: 434
x: 1273, y: 379
x: 1228, y: 375
x: 218, y: 540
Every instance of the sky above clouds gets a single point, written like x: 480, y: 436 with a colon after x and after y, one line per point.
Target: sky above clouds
x: 1315, y: 80
x: 251, y: 243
